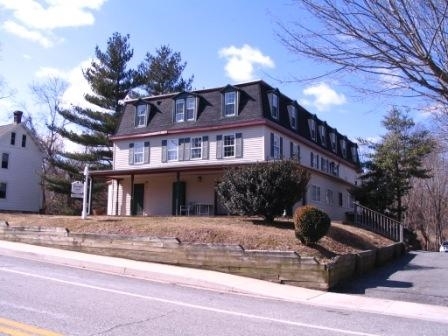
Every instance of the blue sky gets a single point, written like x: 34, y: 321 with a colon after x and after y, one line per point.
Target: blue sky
x: 223, y: 42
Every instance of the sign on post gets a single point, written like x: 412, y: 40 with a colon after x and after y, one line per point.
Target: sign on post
x: 77, y: 190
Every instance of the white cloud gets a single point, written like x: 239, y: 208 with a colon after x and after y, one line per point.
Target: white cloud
x: 323, y: 97
x: 34, y: 20
x: 25, y: 33
x: 77, y: 86
x: 241, y: 61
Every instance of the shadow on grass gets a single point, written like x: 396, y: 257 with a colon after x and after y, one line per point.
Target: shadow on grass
x: 279, y: 224
x: 348, y: 238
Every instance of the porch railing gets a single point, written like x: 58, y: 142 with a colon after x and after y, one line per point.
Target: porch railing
x: 377, y: 222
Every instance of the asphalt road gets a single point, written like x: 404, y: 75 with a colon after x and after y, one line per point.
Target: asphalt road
x: 419, y: 277
x: 73, y: 301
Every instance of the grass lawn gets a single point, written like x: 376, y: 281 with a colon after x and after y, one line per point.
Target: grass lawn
x: 251, y: 233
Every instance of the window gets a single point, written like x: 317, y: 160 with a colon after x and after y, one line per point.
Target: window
x: 298, y: 153
x: 5, y: 160
x: 138, y: 153
x: 229, y: 145
x: 191, y: 108
x: 196, y: 148
x: 2, y: 190
x: 13, y: 138
x: 344, y: 148
x: 312, y: 159
x: 341, y: 200
x: 315, y: 193
x: 354, y: 154
x: 23, y: 140
x: 329, y: 197
x: 229, y: 103
x: 274, y: 106
x: 180, y: 110
x: 172, y: 150
x: 141, y: 115
x: 323, y: 139
x: 292, y: 111
x: 276, y: 144
x: 333, y: 142
x: 312, y: 127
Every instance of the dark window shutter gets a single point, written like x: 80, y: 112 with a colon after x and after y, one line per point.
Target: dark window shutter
x: 205, y: 148
x: 272, y: 145
x: 164, y: 154
x: 312, y: 159
x: 219, y: 146
x: 291, y: 150
x: 281, y: 148
x: 131, y: 153
x: 298, y: 153
x: 146, y: 152
x: 239, y: 145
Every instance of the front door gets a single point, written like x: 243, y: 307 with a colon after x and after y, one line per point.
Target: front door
x: 139, y: 193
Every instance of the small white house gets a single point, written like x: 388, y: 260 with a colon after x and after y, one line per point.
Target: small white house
x: 20, y: 169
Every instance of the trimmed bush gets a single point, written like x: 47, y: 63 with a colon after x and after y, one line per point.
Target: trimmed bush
x: 310, y: 224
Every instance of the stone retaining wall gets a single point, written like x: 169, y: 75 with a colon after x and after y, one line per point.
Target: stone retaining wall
x: 277, y: 266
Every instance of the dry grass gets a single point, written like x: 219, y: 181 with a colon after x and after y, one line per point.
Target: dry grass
x: 251, y: 233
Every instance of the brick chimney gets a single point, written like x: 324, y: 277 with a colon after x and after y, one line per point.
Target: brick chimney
x: 18, y: 117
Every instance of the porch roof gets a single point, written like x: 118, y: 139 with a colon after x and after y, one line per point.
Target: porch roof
x: 159, y: 170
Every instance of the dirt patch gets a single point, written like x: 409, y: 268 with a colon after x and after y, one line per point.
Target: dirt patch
x: 251, y: 233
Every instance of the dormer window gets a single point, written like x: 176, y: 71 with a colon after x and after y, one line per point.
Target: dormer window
x: 274, y: 104
x: 230, y: 104
x: 344, y: 148
x: 322, y: 134
x: 292, y: 111
x: 312, y: 127
x: 185, y: 108
x: 354, y: 154
x: 141, y: 115
x: 333, y: 142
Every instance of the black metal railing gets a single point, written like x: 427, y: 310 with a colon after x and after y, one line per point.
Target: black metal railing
x: 377, y: 222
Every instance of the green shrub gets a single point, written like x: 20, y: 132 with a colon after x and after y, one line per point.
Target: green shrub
x: 310, y: 224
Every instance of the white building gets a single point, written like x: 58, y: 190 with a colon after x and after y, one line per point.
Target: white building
x: 170, y: 150
x: 21, y: 168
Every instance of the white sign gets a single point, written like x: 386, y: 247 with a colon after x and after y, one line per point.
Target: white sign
x: 77, y: 189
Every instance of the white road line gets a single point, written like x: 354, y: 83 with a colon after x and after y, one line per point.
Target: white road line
x: 193, y: 306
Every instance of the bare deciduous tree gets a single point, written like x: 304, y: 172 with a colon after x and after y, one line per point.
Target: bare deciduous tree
x: 403, y: 40
x: 427, y: 202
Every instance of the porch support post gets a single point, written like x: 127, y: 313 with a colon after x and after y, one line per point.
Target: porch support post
x: 117, y: 195
x: 132, y: 195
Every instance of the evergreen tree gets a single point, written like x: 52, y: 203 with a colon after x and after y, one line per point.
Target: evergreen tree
x: 394, y: 161
x: 110, y: 81
x: 162, y: 73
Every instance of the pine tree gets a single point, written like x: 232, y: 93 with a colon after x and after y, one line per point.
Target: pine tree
x: 162, y: 73
x: 110, y: 81
x: 394, y: 161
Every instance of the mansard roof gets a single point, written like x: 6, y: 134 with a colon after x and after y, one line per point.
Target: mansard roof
x: 253, y: 106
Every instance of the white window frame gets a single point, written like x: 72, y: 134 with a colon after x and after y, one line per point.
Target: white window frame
x: 139, y: 153
x: 275, y: 106
x: 179, y: 113
x: 227, y: 145
x: 329, y: 197
x: 172, y: 150
x: 292, y: 110
x: 315, y: 193
x: 190, y: 107
x: 312, y: 127
x: 229, y: 100
x: 141, y: 115
x: 322, y: 134
x: 276, y: 145
x: 195, y: 149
